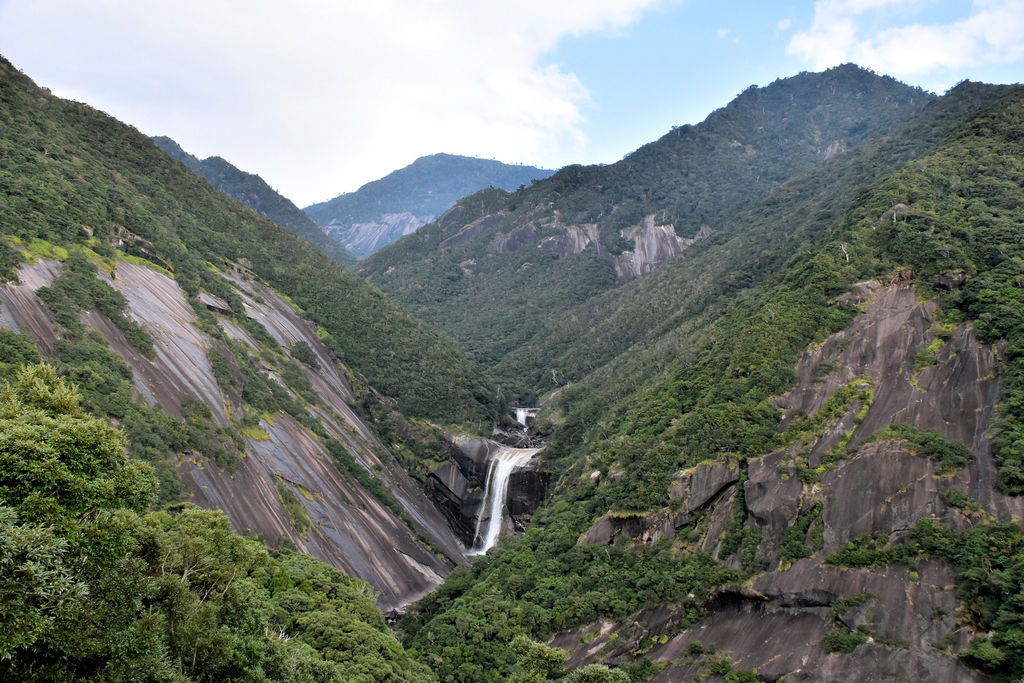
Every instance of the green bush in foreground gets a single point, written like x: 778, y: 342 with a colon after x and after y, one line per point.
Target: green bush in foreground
x: 92, y: 587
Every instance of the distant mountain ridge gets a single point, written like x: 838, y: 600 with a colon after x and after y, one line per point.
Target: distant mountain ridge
x: 589, y: 229
x: 254, y: 192
x: 382, y: 211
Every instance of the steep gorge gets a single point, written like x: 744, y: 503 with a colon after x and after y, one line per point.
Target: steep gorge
x: 286, y: 486
x: 815, y: 478
x: 250, y: 370
x: 800, y: 457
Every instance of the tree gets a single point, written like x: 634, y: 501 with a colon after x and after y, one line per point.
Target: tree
x: 35, y: 584
x: 91, y: 588
x: 58, y: 465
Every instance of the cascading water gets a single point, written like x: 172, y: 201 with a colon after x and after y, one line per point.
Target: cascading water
x: 501, y: 467
x: 524, y: 415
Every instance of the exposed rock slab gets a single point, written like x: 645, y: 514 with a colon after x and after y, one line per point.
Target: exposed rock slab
x: 364, y: 238
x: 784, y: 644
x: 882, y: 491
x: 698, y: 486
x: 901, y: 608
x: 511, y: 241
x: 772, y: 495
x: 350, y: 528
x: 701, y: 483
x: 882, y: 344
x: 571, y: 239
x: 22, y: 311
x: 477, y: 227
x: 652, y: 246
x: 344, y: 525
x: 956, y: 395
x: 334, y: 391
x: 777, y: 624
x: 182, y: 370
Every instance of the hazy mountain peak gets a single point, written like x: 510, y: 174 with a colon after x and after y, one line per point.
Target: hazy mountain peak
x: 383, y: 210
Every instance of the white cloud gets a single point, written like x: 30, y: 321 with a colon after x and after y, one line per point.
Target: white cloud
x: 876, y: 34
x: 722, y: 33
x: 319, y: 96
x: 784, y: 24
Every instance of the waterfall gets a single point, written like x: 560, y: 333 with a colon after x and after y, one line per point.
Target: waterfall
x: 504, y: 462
x: 524, y: 415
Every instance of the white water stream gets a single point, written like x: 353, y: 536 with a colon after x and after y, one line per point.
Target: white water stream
x: 524, y: 415
x: 501, y: 467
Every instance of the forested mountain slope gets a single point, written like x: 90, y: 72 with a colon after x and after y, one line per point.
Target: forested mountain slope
x: 124, y: 184
x: 93, y: 586
x: 253, y: 191
x: 792, y: 450
x: 383, y: 210
x: 816, y: 477
x: 637, y: 323
x: 251, y: 371
x: 499, y: 267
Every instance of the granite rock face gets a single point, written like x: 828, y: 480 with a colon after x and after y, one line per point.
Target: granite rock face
x: 699, y: 487
x: 652, y: 246
x: 542, y: 229
x: 364, y: 238
x: 20, y: 308
x: 776, y: 624
x: 328, y: 515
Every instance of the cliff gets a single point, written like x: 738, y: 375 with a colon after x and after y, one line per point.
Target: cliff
x: 286, y: 486
x: 252, y: 372
x: 799, y: 465
x: 879, y: 488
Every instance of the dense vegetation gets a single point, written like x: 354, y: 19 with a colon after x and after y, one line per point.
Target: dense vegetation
x: 543, y: 582
x: 92, y: 587
x: 253, y: 191
x: 705, y: 391
x: 694, y: 175
x: 73, y: 176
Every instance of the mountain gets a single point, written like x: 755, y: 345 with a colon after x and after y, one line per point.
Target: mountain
x: 382, y: 211
x: 253, y: 191
x: 245, y: 371
x: 792, y: 449
x: 805, y: 462
x: 588, y: 230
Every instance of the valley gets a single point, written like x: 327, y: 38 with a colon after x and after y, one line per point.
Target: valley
x: 745, y: 405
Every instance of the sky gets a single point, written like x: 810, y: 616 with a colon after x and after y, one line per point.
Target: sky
x: 321, y: 96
